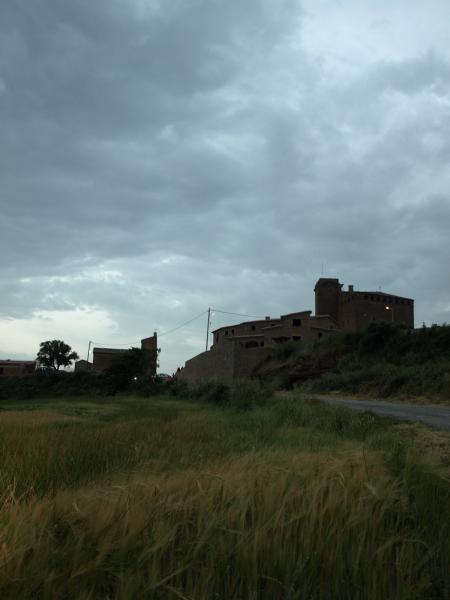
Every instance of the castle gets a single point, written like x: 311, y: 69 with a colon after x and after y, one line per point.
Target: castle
x: 238, y: 349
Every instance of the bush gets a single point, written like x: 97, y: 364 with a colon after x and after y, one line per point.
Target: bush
x: 242, y: 395
x: 383, y: 360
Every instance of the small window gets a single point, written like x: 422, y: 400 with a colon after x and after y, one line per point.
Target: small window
x: 232, y: 332
x: 297, y: 338
x: 297, y: 322
x: 251, y: 344
x: 253, y: 327
x: 365, y: 296
x: 226, y: 332
x: 262, y: 344
x: 319, y: 335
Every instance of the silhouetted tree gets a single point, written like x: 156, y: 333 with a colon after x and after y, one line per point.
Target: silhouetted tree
x: 54, y: 354
x: 134, y: 364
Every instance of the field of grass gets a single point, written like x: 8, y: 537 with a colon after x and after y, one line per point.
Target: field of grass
x: 166, y: 499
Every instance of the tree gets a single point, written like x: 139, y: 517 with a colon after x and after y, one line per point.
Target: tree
x: 134, y: 364
x: 54, y: 354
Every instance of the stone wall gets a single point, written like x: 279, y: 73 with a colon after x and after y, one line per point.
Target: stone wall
x: 224, y: 362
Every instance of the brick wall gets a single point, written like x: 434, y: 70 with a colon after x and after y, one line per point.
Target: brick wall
x: 105, y: 357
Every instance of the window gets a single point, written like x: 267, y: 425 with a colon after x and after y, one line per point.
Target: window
x: 226, y: 332
x: 297, y: 338
x: 319, y: 335
x: 297, y: 322
x: 262, y: 344
x: 253, y: 327
x: 251, y: 344
x: 232, y: 332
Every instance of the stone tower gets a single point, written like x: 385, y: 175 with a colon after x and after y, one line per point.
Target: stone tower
x: 328, y: 297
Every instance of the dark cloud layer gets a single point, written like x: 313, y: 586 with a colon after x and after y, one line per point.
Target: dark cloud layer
x: 159, y: 159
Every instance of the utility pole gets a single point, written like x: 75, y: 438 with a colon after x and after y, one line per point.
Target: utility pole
x: 207, y: 327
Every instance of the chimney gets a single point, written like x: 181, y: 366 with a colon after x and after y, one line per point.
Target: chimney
x: 350, y: 288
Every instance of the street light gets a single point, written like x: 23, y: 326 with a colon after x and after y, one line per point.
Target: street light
x: 391, y: 308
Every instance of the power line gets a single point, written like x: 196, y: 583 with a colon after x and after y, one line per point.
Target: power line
x: 217, y: 310
x: 183, y: 324
x: 107, y: 345
x: 226, y: 312
x: 159, y: 335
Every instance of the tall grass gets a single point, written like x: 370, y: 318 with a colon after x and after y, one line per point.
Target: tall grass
x: 165, y: 499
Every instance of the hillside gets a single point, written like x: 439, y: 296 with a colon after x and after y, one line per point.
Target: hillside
x: 382, y: 361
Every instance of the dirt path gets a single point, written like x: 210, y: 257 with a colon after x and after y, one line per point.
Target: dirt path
x: 436, y: 416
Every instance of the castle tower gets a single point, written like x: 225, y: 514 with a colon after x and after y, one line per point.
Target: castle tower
x: 328, y: 297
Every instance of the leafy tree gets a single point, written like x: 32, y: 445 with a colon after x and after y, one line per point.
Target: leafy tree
x: 136, y: 363
x: 54, y: 354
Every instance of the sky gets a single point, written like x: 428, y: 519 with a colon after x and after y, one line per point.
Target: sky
x: 158, y: 158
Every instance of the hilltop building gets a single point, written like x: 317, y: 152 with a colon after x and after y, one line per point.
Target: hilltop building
x: 353, y: 310
x: 238, y: 349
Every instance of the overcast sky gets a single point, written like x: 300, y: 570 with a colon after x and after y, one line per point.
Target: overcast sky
x: 157, y: 158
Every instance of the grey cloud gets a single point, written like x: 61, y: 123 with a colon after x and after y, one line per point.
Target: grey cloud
x: 199, y: 152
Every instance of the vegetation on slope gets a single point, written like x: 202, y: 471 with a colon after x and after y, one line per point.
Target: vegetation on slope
x: 132, y: 498
x: 382, y: 360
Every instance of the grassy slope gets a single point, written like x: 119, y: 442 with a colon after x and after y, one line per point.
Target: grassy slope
x: 382, y: 361
x: 165, y: 499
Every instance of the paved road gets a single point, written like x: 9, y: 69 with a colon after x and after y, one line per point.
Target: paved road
x: 436, y: 416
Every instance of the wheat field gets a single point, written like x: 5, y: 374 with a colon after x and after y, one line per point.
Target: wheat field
x: 163, y: 498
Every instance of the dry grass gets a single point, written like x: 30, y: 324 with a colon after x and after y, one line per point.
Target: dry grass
x: 168, y: 500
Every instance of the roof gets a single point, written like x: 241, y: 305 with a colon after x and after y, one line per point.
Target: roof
x: 380, y: 293
x: 8, y: 361
x: 245, y: 323
x: 110, y: 350
x: 298, y: 312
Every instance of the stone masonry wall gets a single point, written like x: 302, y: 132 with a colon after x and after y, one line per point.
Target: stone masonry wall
x: 224, y: 362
